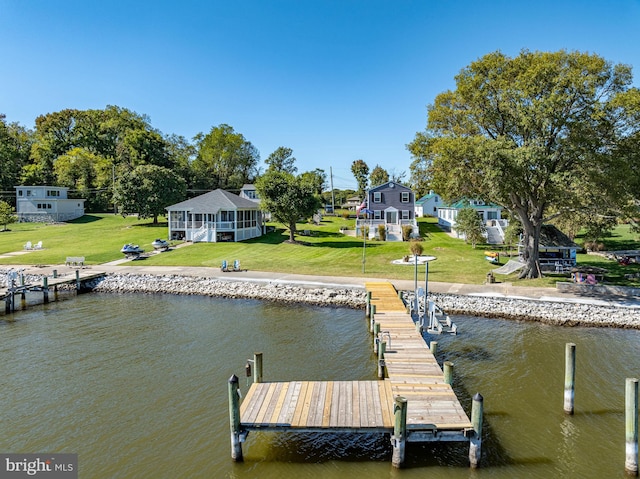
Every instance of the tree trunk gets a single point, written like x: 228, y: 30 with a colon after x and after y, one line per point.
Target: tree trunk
x: 531, y: 242
x: 292, y: 232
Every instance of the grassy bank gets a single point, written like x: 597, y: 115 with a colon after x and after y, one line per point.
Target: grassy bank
x: 325, y: 252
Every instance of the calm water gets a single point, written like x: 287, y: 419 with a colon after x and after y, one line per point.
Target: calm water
x: 137, y: 386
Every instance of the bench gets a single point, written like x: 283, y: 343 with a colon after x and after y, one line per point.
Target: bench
x: 77, y: 261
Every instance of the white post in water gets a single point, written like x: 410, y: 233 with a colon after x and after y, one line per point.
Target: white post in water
x: 631, y: 427
x: 569, y: 377
x: 399, y: 438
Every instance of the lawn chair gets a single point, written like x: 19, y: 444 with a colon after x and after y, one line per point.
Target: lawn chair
x: 38, y: 245
x: 28, y: 245
x: 236, y: 265
x: 224, y: 268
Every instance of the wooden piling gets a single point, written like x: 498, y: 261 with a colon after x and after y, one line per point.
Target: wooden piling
x: 78, y: 280
x: 234, y: 419
x: 448, y: 373
x: 368, y: 305
x: 399, y: 438
x: 45, y: 290
x: 376, y: 337
x: 433, y: 346
x: 631, y: 427
x: 257, y: 370
x: 569, y: 377
x: 373, y: 318
x: 475, y: 442
x: 382, y: 348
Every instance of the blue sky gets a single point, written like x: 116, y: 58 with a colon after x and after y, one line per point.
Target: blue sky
x: 336, y: 81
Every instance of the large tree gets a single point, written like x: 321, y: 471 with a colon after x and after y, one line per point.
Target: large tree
x: 147, y: 190
x: 225, y: 159
x: 282, y: 159
x: 531, y: 133
x: 15, y: 145
x: 379, y: 176
x: 287, y: 197
x: 360, y: 171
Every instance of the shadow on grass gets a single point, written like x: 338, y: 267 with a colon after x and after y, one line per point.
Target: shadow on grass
x: 159, y: 224
x: 84, y: 220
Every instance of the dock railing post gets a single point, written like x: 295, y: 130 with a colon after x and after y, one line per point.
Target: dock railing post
x: 257, y: 370
x: 382, y: 348
x: 399, y: 439
x: 569, y: 377
x: 631, y: 427
x: 45, y: 289
x: 475, y: 442
x: 373, y: 317
x: 448, y: 373
x: 433, y: 346
x: 23, y: 292
x: 78, y: 280
x: 376, y: 338
x: 368, y: 305
x: 234, y: 419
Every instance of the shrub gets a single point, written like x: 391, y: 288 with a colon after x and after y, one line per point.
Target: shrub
x: 382, y: 232
x: 415, y: 247
x: 345, y: 215
x: 406, y: 232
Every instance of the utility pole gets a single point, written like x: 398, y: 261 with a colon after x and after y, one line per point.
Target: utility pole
x: 333, y: 195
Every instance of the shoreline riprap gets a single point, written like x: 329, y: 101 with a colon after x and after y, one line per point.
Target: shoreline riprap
x: 549, y: 312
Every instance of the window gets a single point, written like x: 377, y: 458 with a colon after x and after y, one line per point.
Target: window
x: 404, y: 197
x: 405, y: 214
x: 492, y: 215
x: 377, y: 197
x: 377, y: 214
x: 19, y: 192
x: 53, y: 193
x: 28, y: 192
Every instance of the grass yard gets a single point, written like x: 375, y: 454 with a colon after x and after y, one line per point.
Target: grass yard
x: 326, y: 251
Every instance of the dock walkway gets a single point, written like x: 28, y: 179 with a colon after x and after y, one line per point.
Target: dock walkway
x: 433, y: 412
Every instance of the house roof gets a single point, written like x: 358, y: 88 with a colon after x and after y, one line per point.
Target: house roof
x: 426, y: 198
x: 389, y: 184
x: 467, y: 203
x: 552, y: 237
x: 213, y: 202
x: 248, y: 186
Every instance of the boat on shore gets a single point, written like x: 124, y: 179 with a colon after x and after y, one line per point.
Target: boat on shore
x: 160, y: 244
x: 131, y: 250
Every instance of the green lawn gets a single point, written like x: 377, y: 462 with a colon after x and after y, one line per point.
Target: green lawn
x: 99, y: 238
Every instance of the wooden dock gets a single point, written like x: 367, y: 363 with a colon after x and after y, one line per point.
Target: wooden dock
x: 18, y: 286
x: 414, y: 382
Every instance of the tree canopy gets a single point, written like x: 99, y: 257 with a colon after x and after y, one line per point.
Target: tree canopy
x: 282, y: 159
x: 379, y: 176
x: 148, y: 190
x: 225, y: 159
x: 7, y: 215
x: 287, y: 197
x: 360, y: 171
x: 539, y: 133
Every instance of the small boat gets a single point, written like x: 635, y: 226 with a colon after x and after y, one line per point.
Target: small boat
x: 492, y: 256
x: 131, y: 250
x: 160, y: 244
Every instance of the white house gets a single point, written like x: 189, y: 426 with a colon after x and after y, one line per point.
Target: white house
x: 428, y: 205
x: 214, y: 217
x: 488, y: 212
x: 47, y: 204
x: 249, y: 192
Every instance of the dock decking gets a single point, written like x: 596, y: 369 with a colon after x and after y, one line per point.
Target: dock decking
x: 433, y: 412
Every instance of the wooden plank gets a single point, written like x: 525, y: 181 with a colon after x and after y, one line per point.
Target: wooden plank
x: 355, y: 392
x: 326, y: 413
x: 256, y: 402
x: 295, y: 422
x: 280, y: 403
x: 264, y: 407
x: 247, y: 400
x: 317, y: 405
x: 286, y: 415
x: 335, y: 405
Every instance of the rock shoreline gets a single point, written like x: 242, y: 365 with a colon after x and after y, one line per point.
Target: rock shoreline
x: 548, y: 312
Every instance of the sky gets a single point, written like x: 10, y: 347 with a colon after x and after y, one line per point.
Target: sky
x: 335, y: 80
